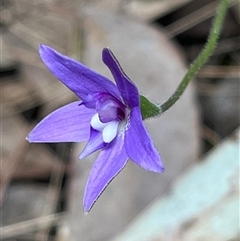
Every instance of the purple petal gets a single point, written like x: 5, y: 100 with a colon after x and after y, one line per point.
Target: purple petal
x: 127, y: 88
x: 139, y: 145
x: 108, y: 107
x: 77, y: 77
x: 109, y: 163
x: 95, y: 143
x: 70, y: 123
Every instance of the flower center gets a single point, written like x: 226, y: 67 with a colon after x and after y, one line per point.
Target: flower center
x: 110, y: 113
x: 107, y: 106
x: 109, y: 129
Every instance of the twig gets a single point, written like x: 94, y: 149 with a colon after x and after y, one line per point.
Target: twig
x: 193, y: 19
x: 31, y: 225
x: 219, y: 72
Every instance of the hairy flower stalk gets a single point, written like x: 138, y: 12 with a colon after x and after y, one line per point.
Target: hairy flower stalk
x: 108, y: 117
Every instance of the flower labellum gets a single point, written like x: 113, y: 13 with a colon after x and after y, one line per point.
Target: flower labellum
x: 108, y: 117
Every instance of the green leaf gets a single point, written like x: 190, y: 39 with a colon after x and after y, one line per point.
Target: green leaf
x: 148, y: 109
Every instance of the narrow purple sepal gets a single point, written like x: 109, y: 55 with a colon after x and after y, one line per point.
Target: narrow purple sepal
x: 139, y: 145
x: 109, y: 163
x: 76, y: 76
x: 127, y: 88
x: 70, y: 123
x: 95, y: 143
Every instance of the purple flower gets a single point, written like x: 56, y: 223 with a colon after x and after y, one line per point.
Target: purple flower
x: 108, y: 117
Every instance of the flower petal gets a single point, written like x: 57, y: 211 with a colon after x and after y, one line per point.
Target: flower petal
x: 139, y: 145
x: 70, y: 123
x: 109, y: 163
x: 127, y: 88
x: 95, y: 143
x: 77, y: 77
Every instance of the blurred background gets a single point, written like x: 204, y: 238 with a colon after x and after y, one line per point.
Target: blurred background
x: 42, y: 185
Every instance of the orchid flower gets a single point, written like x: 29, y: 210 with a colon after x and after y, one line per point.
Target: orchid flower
x: 107, y: 116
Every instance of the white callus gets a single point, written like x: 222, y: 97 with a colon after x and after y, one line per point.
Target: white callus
x: 110, y: 131
x: 97, y: 124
